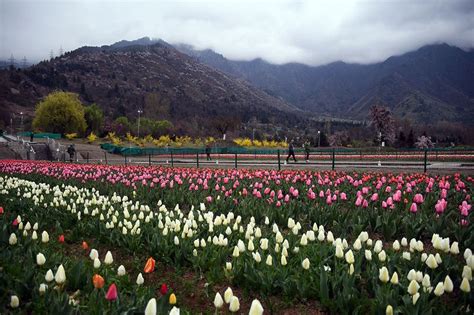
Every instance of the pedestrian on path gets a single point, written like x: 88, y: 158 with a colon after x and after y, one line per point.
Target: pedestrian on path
x: 291, y: 151
x: 306, y: 147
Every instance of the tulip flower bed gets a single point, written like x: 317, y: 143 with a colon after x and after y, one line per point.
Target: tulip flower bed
x: 365, y: 243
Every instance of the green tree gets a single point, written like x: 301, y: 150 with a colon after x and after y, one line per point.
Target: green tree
x: 60, y: 112
x: 121, y: 125
x: 94, y: 118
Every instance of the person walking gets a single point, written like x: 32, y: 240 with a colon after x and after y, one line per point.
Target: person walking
x: 306, y: 147
x: 32, y: 136
x: 208, y: 152
x: 291, y: 151
x: 71, y: 150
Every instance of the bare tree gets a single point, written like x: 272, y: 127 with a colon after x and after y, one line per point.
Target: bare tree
x: 382, y: 120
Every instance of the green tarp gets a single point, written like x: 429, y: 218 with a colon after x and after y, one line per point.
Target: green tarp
x: 41, y: 135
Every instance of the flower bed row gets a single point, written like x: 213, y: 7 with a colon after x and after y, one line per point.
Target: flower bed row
x: 291, y: 256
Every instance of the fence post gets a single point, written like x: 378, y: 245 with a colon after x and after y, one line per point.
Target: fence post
x: 279, y: 161
x: 87, y: 157
x: 197, y: 159
x: 172, y: 162
x: 235, y: 160
x: 425, y: 161
x: 106, y: 162
x: 333, y: 158
x: 149, y: 159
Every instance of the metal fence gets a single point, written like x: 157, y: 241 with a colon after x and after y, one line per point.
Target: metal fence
x: 330, y: 158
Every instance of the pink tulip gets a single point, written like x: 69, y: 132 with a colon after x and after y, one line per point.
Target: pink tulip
x: 413, y: 208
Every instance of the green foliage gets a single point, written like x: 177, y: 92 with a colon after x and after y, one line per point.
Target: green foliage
x: 121, y: 126
x: 152, y: 127
x: 94, y: 118
x: 60, y: 112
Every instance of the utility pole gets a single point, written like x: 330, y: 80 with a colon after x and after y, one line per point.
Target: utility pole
x: 139, y: 113
x: 24, y: 62
x: 319, y: 138
x: 51, y: 55
x: 61, y: 51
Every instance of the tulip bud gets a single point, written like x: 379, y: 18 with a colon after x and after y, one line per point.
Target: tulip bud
x: 40, y: 259
x: 465, y: 286
x: 448, y: 284
x: 368, y: 255
x: 269, y: 260
x: 431, y: 262
x: 413, y: 287
x: 415, y: 298
x: 426, y: 281
x: 98, y: 281
x: 228, y: 266
x: 305, y: 263
x: 172, y: 299
x: 97, y: 263
x: 256, y: 308
x: 439, y: 290
x: 228, y: 294
x: 60, y: 276
x: 339, y: 252
x: 467, y: 272
x: 108, y: 258
x: 112, y: 293
x: 396, y: 245
x: 121, y: 270
x: 151, y: 307
x: 49, y: 276
x: 382, y: 256
x: 394, y: 279
x: 140, y: 279
x: 357, y: 245
x: 14, y: 301
x: 44, y: 237
x: 351, y: 269
x: 383, y: 274
x: 42, y: 288
x: 389, y: 310
x: 93, y: 254
x: 234, y: 304
x: 349, y: 257
x: 283, y: 260
x: 218, y: 302
x: 12, y: 240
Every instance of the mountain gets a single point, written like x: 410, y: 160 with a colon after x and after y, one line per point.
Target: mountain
x: 430, y: 84
x: 145, y: 74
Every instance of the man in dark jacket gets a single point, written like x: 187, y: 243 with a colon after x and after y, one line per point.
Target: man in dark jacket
x: 306, y: 149
x: 71, y: 150
x: 291, y: 151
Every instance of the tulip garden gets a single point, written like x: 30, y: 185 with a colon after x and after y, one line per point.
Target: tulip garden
x: 97, y: 239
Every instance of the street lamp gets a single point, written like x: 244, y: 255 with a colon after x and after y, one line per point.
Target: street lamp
x: 319, y: 138
x: 21, y: 121
x: 139, y: 113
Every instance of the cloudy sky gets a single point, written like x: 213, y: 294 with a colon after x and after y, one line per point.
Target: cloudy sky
x: 308, y: 31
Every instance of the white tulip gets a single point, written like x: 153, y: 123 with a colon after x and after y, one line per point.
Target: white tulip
x: 121, y: 270
x: 12, y: 240
x: 60, y: 276
x: 140, y: 279
x: 97, y: 263
x: 40, y: 259
x: 256, y: 308
x: 14, y: 301
x: 228, y: 294
x: 234, y: 304
x: 218, y: 302
x: 151, y: 307
x: 108, y: 258
x: 49, y: 276
x: 305, y: 263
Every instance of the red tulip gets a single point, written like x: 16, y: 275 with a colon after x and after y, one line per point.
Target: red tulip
x: 111, y: 294
x: 15, y: 222
x: 1, y: 210
x: 164, y: 289
x: 61, y: 238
